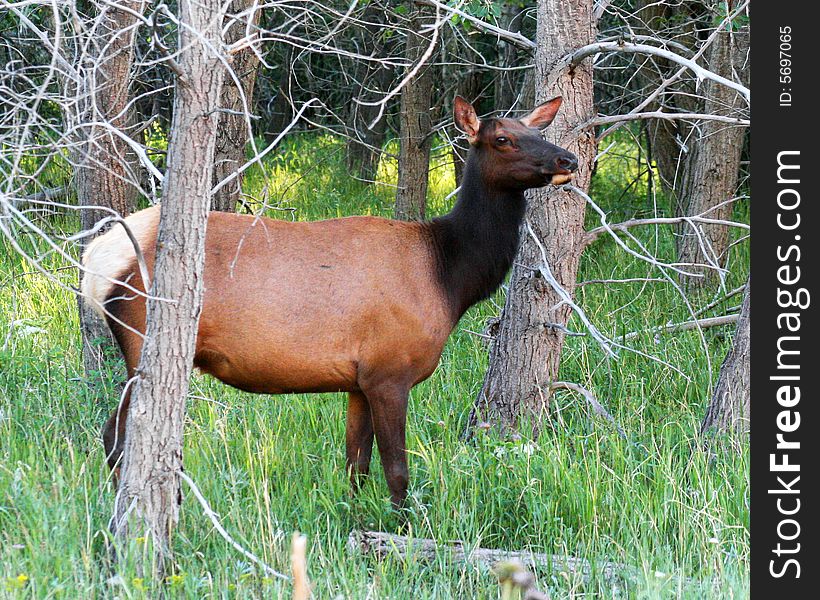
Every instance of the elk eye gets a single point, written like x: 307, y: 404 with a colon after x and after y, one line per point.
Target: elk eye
x: 502, y: 141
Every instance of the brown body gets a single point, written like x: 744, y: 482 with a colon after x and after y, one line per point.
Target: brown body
x: 360, y: 304
x: 309, y: 321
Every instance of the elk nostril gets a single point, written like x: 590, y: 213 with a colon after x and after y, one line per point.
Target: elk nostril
x: 568, y: 163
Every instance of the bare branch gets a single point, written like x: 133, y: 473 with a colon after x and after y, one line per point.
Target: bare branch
x: 627, y: 47
x: 509, y: 36
x: 546, y: 273
x: 684, y: 326
x: 593, y: 234
x: 214, y: 518
x: 667, y: 116
x: 589, y: 397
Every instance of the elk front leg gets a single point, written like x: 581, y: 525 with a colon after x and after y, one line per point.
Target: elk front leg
x: 388, y: 407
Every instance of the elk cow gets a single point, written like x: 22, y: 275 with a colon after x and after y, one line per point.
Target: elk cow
x: 362, y: 305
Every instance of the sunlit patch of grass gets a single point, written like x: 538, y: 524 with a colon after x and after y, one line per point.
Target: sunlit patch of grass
x: 271, y: 465
x: 308, y: 179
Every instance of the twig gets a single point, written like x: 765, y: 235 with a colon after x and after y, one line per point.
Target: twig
x: 625, y: 280
x: 593, y: 234
x: 546, y: 273
x: 599, y: 337
x: 45, y: 195
x: 143, y: 266
x: 260, y: 155
x: 504, y: 34
x: 481, y: 335
x: 206, y: 508
x: 670, y: 80
x: 564, y: 330
x: 606, y: 227
x: 410, y: 74
x: 593, y: 401
x: 721, y: 300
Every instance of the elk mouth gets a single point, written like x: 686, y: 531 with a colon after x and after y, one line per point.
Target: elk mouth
x: 561, y: 178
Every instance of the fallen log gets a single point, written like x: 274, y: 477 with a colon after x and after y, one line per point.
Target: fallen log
x: 382, y: 545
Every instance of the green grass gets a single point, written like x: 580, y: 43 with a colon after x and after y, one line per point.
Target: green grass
x: 272, y: 465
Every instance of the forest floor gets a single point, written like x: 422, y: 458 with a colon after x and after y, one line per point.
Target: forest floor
x: 655, y: 500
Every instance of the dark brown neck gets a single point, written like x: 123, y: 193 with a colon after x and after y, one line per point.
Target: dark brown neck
x: 475, y: 244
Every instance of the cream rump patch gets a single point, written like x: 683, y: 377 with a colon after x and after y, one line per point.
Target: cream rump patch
x: 109, y: 255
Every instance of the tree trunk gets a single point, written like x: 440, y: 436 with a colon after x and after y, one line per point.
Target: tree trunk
x: 147, y: 502
x: 730, y: 407
x: 364, y: 151
x: 233, y: 131
x: 282, y: 111
x: 507, y: 81
x: 662, y: 135
x: 526, y: 352
x: 106, y: 170
x: 416, y: 125
x: 364, y: 148
x: 713, y: 162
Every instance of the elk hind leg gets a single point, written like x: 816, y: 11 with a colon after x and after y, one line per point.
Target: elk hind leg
x: 358, y: 438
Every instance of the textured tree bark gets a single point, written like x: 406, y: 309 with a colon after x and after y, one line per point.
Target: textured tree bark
x: 416, y: 124
x: 105, y: 166
x: 526, y: 353
x: 713, y: 163
x: 730, y: 406
x: 147, y: 502
x: 233, y: 131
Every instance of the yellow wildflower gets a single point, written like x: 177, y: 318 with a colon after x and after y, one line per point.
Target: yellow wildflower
x: 16, y: 583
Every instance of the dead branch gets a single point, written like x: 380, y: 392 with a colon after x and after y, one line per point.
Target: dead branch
x: 606, y: 227
x: 593, y: 402
x: 593, y: 234
x: 660, y: 114
x: 684, y: 326
x: 625, y: 280
x: 629, y: 48
x: 670, y: 80
x: 721, y: 300
x: 509, y: 36
x: 546, y: 273
x: 47, y: 195
x: 214, y: 518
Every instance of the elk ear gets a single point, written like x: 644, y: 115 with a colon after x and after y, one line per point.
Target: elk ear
x: 542, y: 115
x: 466, y: 119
